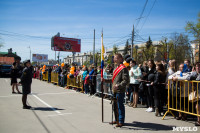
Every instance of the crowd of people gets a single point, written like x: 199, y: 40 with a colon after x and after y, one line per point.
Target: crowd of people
x: 148, y: 82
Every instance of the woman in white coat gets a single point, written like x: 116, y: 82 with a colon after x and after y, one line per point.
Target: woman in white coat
x: 134, y: 74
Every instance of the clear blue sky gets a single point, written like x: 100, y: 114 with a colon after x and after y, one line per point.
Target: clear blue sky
x: 25, y: 23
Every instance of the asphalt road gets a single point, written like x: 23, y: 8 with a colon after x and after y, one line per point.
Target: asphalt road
x: 59, y: 110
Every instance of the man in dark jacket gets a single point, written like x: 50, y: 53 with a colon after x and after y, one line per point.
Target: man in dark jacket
x: 26, y: 80
x: 49, y: 74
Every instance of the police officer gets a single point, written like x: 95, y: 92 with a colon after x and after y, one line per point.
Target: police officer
x: 26, y: 80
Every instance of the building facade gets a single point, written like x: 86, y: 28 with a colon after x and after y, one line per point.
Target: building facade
x: 80, y: 58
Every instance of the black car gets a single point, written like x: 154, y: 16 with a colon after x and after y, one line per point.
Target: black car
x: 5, y: 70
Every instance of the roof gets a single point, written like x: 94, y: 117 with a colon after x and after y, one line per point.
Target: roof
x: 3, y: 52
x: 6, y: 54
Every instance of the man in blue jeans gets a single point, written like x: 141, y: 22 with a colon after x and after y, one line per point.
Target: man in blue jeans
x: 119, y: 81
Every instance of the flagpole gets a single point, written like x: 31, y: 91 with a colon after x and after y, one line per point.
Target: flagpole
x: 102, y: 98
x: 102, y: 65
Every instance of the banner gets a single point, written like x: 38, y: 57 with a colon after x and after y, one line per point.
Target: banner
x: 40, y: 57
x: 65, y: 44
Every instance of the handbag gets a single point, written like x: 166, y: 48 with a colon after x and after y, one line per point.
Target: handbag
x: 193, y: 96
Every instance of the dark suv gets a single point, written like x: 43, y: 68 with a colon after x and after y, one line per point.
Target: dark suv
x: 5, y: 70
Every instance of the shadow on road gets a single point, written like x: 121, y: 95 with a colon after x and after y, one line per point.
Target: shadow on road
x: 45, y: 108
x: 5, y: 76
x: 146, y: 126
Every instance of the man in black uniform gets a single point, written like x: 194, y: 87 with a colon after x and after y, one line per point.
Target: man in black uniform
x: 26, y: 80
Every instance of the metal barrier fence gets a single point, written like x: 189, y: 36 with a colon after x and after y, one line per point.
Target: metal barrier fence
x: 78, y: 83
x: 45, y: 76
x: 107, y: 87
x: 54, y: 77
x: 183, y: 96
x: 75, y: 82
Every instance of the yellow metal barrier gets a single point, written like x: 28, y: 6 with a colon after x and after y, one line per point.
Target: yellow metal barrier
x: 45, y: 76
x: 75, y: 82
x: 54, y: 77
x: 80, y: 84
x: 68, y: 82
x: 179, y: 93
x: 71, y: 82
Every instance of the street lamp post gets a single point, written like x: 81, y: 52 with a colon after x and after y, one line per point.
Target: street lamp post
x: 30, y: 53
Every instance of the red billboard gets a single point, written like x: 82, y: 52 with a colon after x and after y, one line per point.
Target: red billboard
x: 65, y: 44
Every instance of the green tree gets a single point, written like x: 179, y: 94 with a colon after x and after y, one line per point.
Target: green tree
x: 149, y: 43
x: 165, y: 48
x: 148, y: 50
x: 193, y: 28
x: 126, y: 48
x: 115, y: 49
x: 87, y: 63
x: 181, y: 48
x: 109, y: 59
x: 98, y: 58
x: 135, y: 52
x: 34, y: 63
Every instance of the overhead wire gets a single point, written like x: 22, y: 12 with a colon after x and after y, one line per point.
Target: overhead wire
x: 147, y: 16
x: 141, y: 14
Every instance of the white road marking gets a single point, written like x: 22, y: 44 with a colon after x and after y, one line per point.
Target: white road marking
x: 55, y: 93
x: 14, y: 95
x: 10, y: 96
x: 58, y: 112
x: 6, y: 80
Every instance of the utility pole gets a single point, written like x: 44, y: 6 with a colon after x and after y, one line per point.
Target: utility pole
x: 94, y: 48
x: 132, y: 44
x: 73, y: 54
x: 136, y: 48
x: 199, y: 50
x: 58, y: 57
x: 167, y: 50
x: 55, y: 55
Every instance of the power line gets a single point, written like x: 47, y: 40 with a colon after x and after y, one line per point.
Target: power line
x: 111, y: 43
x: 141, y: 14
x: 24, y: 35
x: 148, y: 15
x: 3, y: 32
